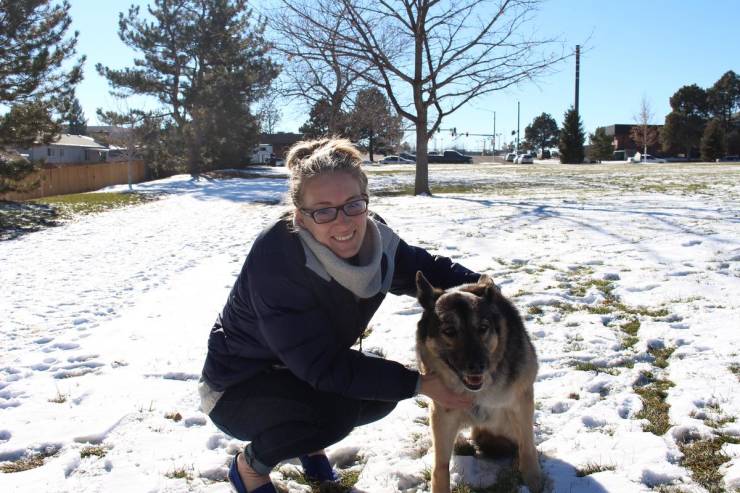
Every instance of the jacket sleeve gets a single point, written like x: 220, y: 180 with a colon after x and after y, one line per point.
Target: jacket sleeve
x: 441, y: 271
x: 298, y: 330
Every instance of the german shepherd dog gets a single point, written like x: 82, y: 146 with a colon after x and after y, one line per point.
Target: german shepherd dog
x: 474, y: 339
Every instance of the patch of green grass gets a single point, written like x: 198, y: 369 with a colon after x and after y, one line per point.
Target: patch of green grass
x: 588, y: 366
x: 18, y: 218
x: 421, y: 402
x: 593, y: 468
x: 89, y: 203
x: 347, y: 479
x: 631, y: 327
x: 565, y: 307
x: 180, y: 473
x: 661, y: 355
x: 28, y: 462
x: 735, y: 370
x: 422, y: 420
x: 59, y: 398
x: 602, y: 309
x: 535, y: 310
x: 654, y: 406
x: 704, y: 458
x: 629, y: 341
x: 91, y: 451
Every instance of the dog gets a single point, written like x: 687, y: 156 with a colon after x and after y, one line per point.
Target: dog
x: 475, y: 340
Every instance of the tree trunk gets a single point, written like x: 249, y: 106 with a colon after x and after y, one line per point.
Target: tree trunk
x: 421, y: 183
x: 371, y: 145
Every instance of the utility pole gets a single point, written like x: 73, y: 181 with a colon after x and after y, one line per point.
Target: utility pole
x: 578, y: 74
x: 494, y: 134
x: 517, y: 128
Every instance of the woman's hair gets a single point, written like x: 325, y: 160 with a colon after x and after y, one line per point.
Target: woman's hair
x: 310, y: 158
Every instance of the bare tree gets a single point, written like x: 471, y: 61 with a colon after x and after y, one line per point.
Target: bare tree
x: 268, y: 113
x: 313, y: 69
x: 643, y: 133
x: 431, y: 57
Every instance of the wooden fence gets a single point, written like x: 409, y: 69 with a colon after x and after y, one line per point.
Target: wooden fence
x: 76, y: 178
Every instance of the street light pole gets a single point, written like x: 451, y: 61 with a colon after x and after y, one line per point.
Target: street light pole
x: 494, y: 135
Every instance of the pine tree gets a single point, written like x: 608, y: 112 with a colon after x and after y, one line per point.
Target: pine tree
x: 76, y: 121
x: 601, y: 147
x: 685, y: 124
x: 33, y: 47
x: 372, y: 122
x: 571, y: 138
x: 206, y: 61
x: 542, y: 132
x: 713, y: 141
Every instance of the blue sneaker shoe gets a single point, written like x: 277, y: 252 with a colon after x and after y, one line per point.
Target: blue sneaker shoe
x: 238, y: 484
x: 317, y: 468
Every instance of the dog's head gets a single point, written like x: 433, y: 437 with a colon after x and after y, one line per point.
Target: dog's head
x: 462, y: 327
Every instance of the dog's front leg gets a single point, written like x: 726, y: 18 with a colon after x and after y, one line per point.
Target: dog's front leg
x: 445, y: 424
x: 523, y: 421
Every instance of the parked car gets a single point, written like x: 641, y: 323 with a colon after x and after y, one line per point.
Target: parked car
x: 524, y: 159
x: 407, y: 155
x: 733, y: 158
x: 395, y: 160
x: 449, y: 157
x: 545, y: 154
x: 647, y: 158
x: 510, y: 157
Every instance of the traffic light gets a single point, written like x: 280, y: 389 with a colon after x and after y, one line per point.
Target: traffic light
x: 466, y: 134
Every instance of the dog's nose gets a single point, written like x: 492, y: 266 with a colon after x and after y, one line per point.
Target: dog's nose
x: 476, y: 367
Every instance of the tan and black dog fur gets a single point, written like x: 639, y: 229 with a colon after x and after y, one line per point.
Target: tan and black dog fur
x: 475, y: 340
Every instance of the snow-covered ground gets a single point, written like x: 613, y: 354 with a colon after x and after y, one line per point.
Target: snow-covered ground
x: 105, y: 321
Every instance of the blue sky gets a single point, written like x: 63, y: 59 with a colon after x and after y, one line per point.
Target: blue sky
x: 633, y: 49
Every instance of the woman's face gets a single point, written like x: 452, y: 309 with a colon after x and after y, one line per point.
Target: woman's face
x: 343, y: 235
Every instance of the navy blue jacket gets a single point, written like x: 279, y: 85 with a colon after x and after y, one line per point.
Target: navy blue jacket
x: 280, y: 312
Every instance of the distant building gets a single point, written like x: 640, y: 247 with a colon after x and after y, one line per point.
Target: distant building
x: 624, y: 146
x: 280, y: 142
x: 68, y: 149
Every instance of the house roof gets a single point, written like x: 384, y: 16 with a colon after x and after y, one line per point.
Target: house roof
x: 68, y: 140
x: 280, y: 138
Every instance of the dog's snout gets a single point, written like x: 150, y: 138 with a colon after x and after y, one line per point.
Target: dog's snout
x: 476, y: 367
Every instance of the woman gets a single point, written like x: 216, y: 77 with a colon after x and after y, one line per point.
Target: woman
x: 280, y: 371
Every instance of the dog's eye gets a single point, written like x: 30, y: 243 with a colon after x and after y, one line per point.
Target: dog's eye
x: 449, y: 332
x: 484, y: 327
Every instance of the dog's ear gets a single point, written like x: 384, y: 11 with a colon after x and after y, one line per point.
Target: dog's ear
x: 424, y: 292
x: 491, y: 290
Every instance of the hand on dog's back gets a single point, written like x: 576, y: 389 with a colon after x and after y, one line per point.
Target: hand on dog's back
x: 433, y: 387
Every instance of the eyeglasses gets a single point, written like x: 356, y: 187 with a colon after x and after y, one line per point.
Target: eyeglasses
x: 328, y: 214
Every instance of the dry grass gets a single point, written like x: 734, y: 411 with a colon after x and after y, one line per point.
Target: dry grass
x: 30, y: 462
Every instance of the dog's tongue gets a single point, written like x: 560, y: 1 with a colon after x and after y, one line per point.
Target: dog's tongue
x: 473, y: 380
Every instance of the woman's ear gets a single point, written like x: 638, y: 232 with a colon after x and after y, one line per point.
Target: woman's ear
x: 299, y: 218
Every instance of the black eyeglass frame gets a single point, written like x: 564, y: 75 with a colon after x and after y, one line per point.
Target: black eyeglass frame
x: 312, y: 212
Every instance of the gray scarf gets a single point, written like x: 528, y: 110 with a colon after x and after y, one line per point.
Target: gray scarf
x: 364, y: 280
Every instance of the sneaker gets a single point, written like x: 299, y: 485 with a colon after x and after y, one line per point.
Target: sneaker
x: 238, y: 484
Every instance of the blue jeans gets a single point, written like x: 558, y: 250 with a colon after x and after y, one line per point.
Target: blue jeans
x: 284, y: 417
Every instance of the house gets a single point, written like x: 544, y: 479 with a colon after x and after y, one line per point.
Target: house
x: 280, y: 142
x: 624, y: 146
x: 68, y: 149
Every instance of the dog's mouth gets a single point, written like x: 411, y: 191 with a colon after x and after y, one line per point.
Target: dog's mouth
x: 473, y: 381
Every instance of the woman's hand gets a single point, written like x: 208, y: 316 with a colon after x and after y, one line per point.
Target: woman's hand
x: 433, y: 387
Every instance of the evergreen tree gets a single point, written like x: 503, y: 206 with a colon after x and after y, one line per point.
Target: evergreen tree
x: 684, y: 125
x: 372, y: 123
x: 320, y: 121
x: 542, y: 132
x: 601, y: 145
x: 571, y: 138
x: 76, y: 121
x: 713, y: 141
x: 724, y: 99
x: 33, y: 48
x: 206, y: 62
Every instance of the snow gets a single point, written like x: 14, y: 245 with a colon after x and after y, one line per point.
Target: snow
x: 105, y: 322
